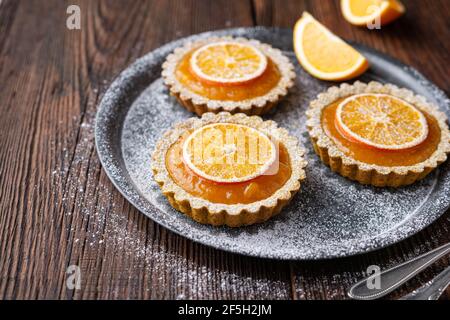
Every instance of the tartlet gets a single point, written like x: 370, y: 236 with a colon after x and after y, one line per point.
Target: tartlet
x: 232, y: 204
x: 374, y: 165
x: 254, y: 96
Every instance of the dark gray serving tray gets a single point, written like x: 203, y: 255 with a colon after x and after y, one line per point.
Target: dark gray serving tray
x: 330, y: 217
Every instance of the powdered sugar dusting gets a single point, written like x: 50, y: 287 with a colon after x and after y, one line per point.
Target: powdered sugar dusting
x: 331, y: 216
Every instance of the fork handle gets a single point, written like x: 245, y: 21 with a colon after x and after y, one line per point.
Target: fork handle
x: 433, y: 289
x: 392, y: 278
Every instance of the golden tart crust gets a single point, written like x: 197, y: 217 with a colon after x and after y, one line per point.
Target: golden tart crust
x: 233, y: 215
x: 254, y: 106
x: 365, y: 173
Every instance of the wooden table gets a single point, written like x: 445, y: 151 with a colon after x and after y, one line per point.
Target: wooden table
x: 58, y: 208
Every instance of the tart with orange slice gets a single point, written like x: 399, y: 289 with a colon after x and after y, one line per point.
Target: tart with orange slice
x: 236, y: 75
x: 378, y: 134
x: 224, y: 169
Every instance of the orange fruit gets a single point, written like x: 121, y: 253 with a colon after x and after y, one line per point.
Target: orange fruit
x: 323, y: 54
x: 381, y: 121
x: 228, y: 63
x: 364, y: 12
x: 228, y: 152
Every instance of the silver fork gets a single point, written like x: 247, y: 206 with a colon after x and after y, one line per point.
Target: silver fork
x: 433, y: 289
x: 394, y: 277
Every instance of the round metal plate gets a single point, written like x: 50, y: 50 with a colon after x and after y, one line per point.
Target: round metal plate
x: 330, y: 217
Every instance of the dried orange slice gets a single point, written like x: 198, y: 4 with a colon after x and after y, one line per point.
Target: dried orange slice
x: 228, y: 152
x: 323, y: 54
x: 381, y: 121
x: 228, y: 63
x: 363, y: 12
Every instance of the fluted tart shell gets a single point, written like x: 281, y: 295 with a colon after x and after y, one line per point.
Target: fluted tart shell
x: 233, y: 215
x: 254, y: 106
x: 366, y: 173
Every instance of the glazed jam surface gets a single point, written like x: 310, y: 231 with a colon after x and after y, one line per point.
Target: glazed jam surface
x: 252, y: 89
x: 388, y: 158
x: 227, y: 193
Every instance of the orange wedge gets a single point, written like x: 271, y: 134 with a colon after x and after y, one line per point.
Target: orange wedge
x: 228, y: 152
x: 365, y: 12
x: 323, y: 54
x: 381, y: 121
x: 228, y: 63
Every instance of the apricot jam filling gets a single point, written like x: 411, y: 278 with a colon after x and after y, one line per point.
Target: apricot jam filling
x: 246, y: 192
x: 371, y: 155
x: 252, y: 89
